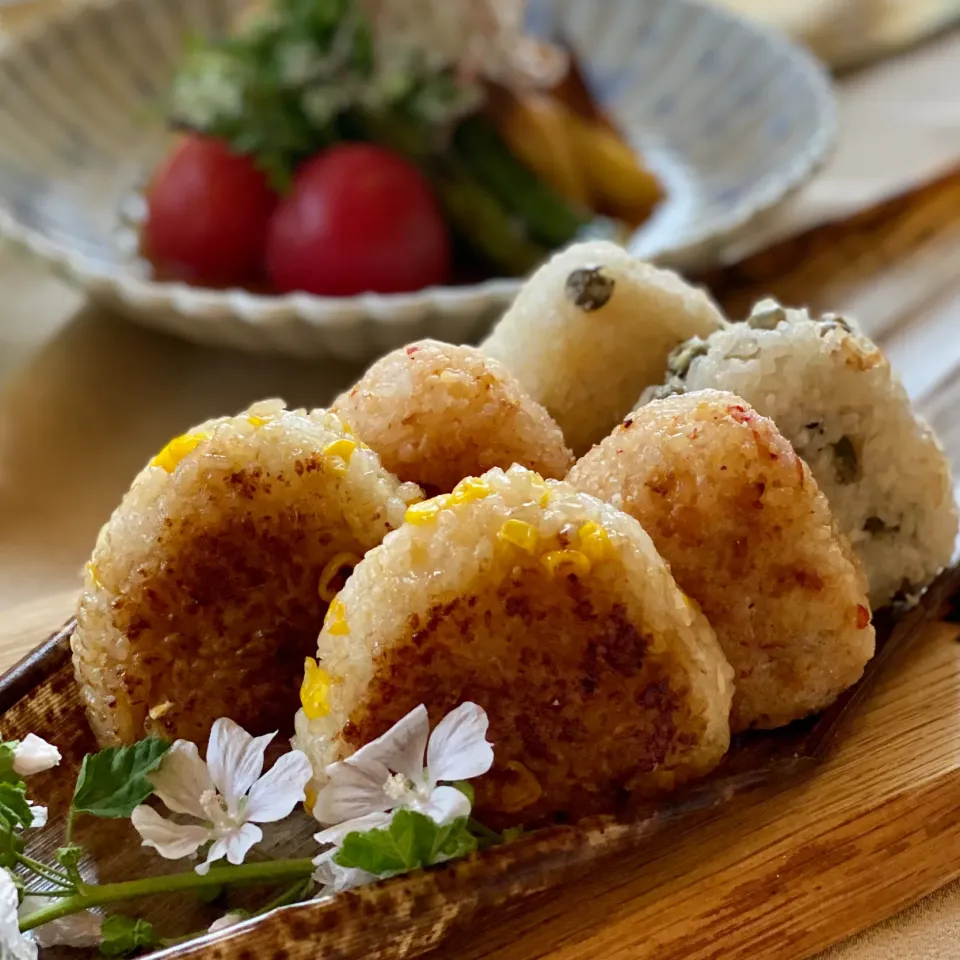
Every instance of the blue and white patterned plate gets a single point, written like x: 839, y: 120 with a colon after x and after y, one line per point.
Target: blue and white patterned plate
x: 731, y: 116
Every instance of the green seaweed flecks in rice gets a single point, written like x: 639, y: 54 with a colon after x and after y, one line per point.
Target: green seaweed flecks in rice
x: 593, y: 327
x: 209, y: 583
x: 552, y: 611
x: 832, y: 393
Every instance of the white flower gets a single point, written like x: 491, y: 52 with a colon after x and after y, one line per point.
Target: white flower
x: 34, y: 755
x: 226, y: 793
x: 39, y: 816
x: 225, y: 922
x: 390, y: 773
x: 14, y: 945
x: 77, y: 930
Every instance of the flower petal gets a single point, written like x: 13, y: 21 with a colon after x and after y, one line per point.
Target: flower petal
x: 401, y: 748
x: 39, y: 816
x: 181, y: 778
x: 458, y: 746
x: 171, y: 840
x: 234, y: 845
x: 336, y: 835
x: 13, y: 944
x: 445, y: 805
x: 78, y: 930
x: 225, y: 922
x: 279, y: 790
x: 352, y: 792
x: 235, y: 760
x: 334, y: 879
x: 34, y: 755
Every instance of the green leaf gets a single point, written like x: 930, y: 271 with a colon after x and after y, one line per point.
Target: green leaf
x: 410, y: 841
x: 8, y: 753
x: 14, y: 805
x: 11, y: 843
x: 114, y: 781
x: 123, y: 935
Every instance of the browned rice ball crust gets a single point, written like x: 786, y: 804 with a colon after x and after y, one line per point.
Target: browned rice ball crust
x: 739, y: 518
x: 598, y: 678
x: 437, y: 413
x: 203, y: 594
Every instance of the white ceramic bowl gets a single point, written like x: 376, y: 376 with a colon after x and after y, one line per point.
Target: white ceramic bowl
x: 732, y: 117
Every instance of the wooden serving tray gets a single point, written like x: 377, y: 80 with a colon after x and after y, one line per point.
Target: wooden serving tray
x: 805, y: 836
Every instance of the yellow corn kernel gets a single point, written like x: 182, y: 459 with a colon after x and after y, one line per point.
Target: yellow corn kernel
x: 336, y: 619
x: 341, y: 450
x: 427, y: 510
x: 315, y: 690
x: 541, y: 484
x: 569, y: 561
x: 520, y: 534
x: 178, y: 448
x: 92, y: 570
x: 160, y: 710
x: 470, y: 489
x: 256, y: 421
x: 334, y: 565
x: 595, y: 542
x: 521, y: 792
x: 310, y: 799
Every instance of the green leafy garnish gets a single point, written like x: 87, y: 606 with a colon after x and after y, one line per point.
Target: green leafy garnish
x: 14, y: 807
x: 412, y: 840
x: 114, y: 781
x: 124, y: 935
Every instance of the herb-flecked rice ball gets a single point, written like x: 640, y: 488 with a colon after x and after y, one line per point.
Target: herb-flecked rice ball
x: 552, y: 611
x: 209, y: 583
x: 832, y: 394
x: 593, y: 327
x: 738, y: 516
x: 437, y: 413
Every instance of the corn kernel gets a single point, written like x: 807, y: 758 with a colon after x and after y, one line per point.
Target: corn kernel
x: 170, y: 456
x: 541, y: 484
x: 160, y: 710
x: 595, y: 542
x: 470, y: 489
x: 427, y: 510
x: 334, y: 565
x: 94, y: 576
x: 315, y: 690
x: 340, y: 450
x: 256, y: 421
x: 335, y: 621
x: 523, y: 791
x: 520, y: 534
x: 309, y: 799
x: 569, y: 561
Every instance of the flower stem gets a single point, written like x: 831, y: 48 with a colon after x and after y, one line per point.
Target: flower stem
x: 273, y: 871
x: 46, y: 872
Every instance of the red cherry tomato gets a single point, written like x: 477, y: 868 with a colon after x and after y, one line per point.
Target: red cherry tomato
x: 359, y: 219
x: 207, y: 215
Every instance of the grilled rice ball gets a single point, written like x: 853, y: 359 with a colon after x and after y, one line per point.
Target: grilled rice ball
x: 739, y: 518
x: 593, y: 327
x: 551, y: 610
x: 834, y: 396
x: 437, y: 413
x: 209, y: 583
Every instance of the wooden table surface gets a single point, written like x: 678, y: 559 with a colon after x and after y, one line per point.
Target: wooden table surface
x: 86, y: 398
